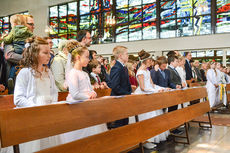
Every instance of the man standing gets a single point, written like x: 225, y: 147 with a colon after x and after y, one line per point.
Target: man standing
x: 84, y: 37
x: 188, y: 67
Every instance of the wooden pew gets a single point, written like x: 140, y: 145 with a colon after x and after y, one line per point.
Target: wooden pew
x: 6, y: 102
x: 227, y: 88
x: 61, y: 118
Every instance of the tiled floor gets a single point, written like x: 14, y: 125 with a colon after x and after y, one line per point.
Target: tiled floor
x: 215, y: 140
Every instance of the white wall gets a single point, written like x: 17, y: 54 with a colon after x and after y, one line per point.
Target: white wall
x: 39, y: 9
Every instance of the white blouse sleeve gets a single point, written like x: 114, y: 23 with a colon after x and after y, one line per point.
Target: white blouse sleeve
x: 21, y: 89
x: 211, y: 77
x: 74, y: 87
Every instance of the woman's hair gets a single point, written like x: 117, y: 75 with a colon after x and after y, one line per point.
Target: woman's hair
x: 130, y: 69
x: 30, y: 53
x: 62, y: 45
x: 78, y: 51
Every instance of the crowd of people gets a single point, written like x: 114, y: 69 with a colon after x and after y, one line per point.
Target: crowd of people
x: 35, y: 74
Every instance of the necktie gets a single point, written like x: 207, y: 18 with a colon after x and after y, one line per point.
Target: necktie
x: 126, y: 70
x: 98, y: 79
x: 163, y: 73
x: 176, y: 72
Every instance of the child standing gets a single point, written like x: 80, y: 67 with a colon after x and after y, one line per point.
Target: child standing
x: 119, y: 78
x: 80, y: 89
x: 95, y: 70
x: 35, y: 86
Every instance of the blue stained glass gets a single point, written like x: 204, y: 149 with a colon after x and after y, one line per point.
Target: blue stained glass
x: 184, y: 8
x: 202, y: 7
x: 202, y: 25
x: 107, y: 4
x: 122, y: 17
x: 184, y: 27
x: 149, y: 12
x: 94, y: 6
x: 94, y: 21
x: 135, y: 15
x: 168, y: 10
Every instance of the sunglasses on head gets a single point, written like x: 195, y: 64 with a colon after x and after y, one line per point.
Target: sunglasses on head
x: 31, y: 24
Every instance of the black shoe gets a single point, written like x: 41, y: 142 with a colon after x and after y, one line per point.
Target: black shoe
x: 176, y: 131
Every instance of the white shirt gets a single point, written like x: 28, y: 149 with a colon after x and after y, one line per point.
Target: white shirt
x: 95, y: 77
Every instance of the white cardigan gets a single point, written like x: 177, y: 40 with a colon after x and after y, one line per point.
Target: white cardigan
x: 25, y: 88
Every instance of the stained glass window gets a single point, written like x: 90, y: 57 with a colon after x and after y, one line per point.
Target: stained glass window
x: 168, y: 9
x: 1, y: 24
x: 184, y: 8
x: 149, y: 30
x: 184, y: 27
x: 223, y: 16
x: 223, y: 22
x: 72, y: 20
x: 202, y: 25
x: 6, y: 24
x: 168, y: 29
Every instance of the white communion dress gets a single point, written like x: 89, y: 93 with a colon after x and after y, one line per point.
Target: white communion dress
x: 80, y: 89
x: 148, y: 90
x: 43, y: 97
x: 213, y: 92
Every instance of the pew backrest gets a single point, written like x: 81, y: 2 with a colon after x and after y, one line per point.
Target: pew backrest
x: 61, y: 118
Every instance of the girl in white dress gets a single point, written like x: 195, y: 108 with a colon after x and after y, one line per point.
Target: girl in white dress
x: 35, y: 86
x: 80, y: 89
x: 181, y: 70
x: 212, y: 85
x: 146, y: 86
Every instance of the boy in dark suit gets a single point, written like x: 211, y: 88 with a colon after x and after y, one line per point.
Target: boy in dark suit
x: 120, y: 80
x: 162, y: 76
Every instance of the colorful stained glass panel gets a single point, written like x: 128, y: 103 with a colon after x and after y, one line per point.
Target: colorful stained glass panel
x: 149, y: 12
x: 184, y: 27
x: 168, y: 29
x: 202, y: 7
x: 223, y: 22
x: 135, y: 15
x: 122, y: 4
x: 184, y: 8
x: 122, y: 17
x: 168, y: 10
x: 135, y: 32
x: 223, y: 6
x: 122, y: 33
x: 84, y: 7
x: 149, y: 30
x: 84, y: 22
x: 202, y: 25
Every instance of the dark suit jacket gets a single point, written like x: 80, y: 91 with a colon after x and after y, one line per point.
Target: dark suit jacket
x: 174, y: 77
x: 159, y: 80
x: 203, y: 75
x: 3, y: 76
x: 119, y: 79
x: 198, y: 74
x: 188, y: 70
